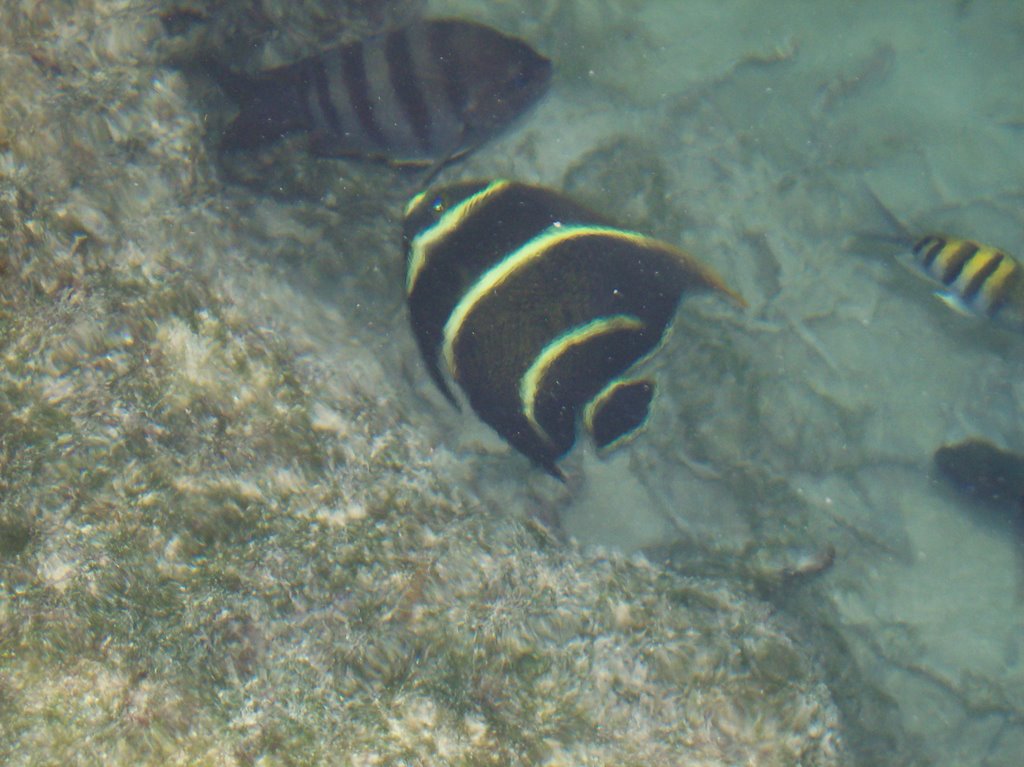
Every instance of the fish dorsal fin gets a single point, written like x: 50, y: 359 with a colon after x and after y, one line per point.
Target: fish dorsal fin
x: 457, y: 152
x: 700, y: 276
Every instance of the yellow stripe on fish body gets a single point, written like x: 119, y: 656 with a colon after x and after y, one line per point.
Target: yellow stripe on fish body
x: 531, y: 304
x: 455, y: 233
x: 490, y: 283
x: 618, y: 412
x: 542, y: 374
x: 450, y: 219
x: 978, y: 278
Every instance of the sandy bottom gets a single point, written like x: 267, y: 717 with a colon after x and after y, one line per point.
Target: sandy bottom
x: 756, y: 139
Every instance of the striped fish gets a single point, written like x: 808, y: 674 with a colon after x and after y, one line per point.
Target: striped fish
x: 422, y: 94
x: 978, y: 279
x: 618, y: 411
x: 539, y: 311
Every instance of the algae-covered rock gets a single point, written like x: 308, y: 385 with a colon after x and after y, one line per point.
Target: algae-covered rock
x: 222, y: 542
x: 211, y: 557
x: 276, y: 31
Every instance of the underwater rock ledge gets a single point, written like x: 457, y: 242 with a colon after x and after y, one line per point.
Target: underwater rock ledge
x: 209, y: 557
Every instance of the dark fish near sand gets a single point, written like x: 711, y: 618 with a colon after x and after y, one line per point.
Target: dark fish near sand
x: 993, y: 477
x: 422, y: 94
x: 539, y: 309
x: 985, y: 472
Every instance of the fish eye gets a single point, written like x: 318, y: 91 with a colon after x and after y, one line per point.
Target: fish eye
x: 438, y: 205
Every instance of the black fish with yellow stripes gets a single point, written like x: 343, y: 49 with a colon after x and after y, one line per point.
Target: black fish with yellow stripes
x: 540, y: 310
x: 977, y: 279
x: 618, y: 411
x: 421, y: 94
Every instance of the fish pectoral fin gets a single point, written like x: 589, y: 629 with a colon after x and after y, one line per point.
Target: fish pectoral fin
x: 433, y: 170
x: 954, y: 302
x: 458, y: 151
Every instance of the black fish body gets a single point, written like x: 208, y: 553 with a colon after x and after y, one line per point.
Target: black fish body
x: 994, y: 478
x: 423, y: 93
x: 608, y: 422
x: 538, y: 309
x: 985, y: 472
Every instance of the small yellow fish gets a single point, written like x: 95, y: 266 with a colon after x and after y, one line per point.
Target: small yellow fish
x: 979, y: 280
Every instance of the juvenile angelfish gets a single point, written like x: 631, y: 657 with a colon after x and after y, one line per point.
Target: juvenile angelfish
x: 421, y: 94
x: 540, y: 311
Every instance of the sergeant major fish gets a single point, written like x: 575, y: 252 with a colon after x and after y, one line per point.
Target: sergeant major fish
x: 421, y: 94
x: 976, y: 279
x: 540, y: 310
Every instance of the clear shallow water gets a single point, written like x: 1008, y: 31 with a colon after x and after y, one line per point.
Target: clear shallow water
x: 806, y: 422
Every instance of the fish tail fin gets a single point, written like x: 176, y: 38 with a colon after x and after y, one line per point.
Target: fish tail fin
x: 893, y: 234
x: 893, y: 222
x: 618, y: 412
